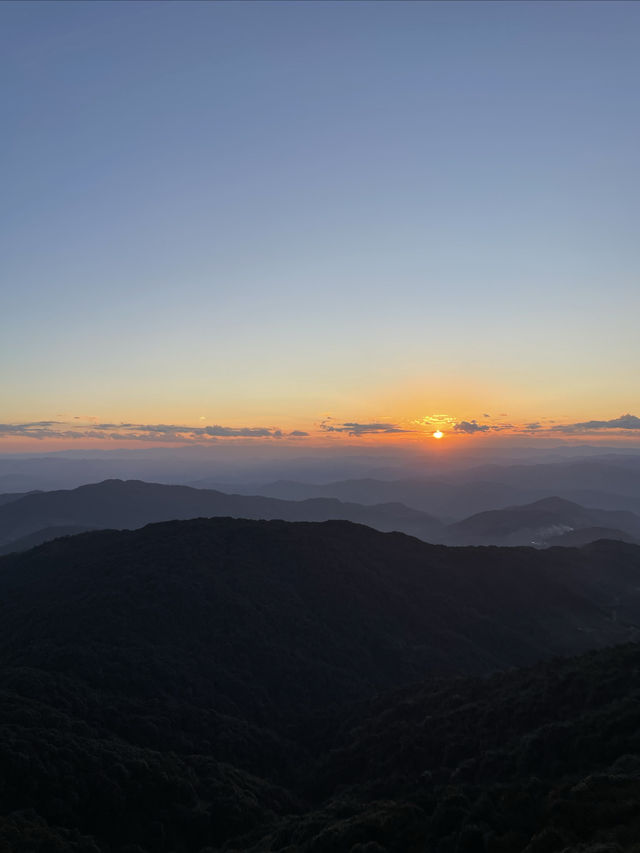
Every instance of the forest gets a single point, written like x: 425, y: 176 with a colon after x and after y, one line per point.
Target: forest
x: 221, y: 684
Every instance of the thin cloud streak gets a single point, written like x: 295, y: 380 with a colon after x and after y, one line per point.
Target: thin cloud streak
x: 625, y: 425
x: 624, y: 422
x: 472, y: 427
x: 352, y: 428
x: 40, y: 430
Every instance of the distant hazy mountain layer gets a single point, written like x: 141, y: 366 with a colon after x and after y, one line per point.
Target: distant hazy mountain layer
x: 37, y: 517
x: 133, y: 503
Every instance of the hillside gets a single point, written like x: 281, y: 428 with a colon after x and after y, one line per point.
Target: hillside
x: 432, y: 495
x: 377, y: 609
x: 608, y: 482
x: 179, y: 686
x: 24, y: 543
x: 620, y: 474
x: 26, y: 521
x: 132, y: 503
x: 587, y: 535
x: 540, y: 523
x: 539, y: 760
x: 8, y: 497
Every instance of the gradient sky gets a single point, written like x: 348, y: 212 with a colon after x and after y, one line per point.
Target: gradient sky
x: 304, y: 215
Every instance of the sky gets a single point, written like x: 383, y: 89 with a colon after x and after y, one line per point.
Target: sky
x: 317, y: 222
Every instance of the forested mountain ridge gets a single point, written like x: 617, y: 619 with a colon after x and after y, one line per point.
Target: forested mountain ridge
x: 211, y: 684
x: 538, y: 522
x: 38, y: 517
x: 381, y: 608
x: 133, y: 503
x: 538, y: 760
x: 242, y: 685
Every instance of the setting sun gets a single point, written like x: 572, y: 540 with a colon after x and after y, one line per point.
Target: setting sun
x: 438, y: 434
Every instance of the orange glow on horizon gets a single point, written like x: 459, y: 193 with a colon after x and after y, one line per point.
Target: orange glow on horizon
x: 402, y: 430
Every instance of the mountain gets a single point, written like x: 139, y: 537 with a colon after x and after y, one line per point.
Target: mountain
x: 68, y: 469
x: 302, y: 615
x: 232, y: 684
x: 133, y: 503
x: 375, y: 609
x: 586, y: 535
x: 538, y: 760
x: 8, y: 497
x: 621, y: 474
x: 24, y: 543
x: 37, y: 517
x: 435, y: 496
x: 608, y: 482
x: 543, y: 522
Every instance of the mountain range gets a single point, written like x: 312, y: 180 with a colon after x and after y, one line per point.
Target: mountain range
x: 607, y: 482
x: 543, y: 522
x: 27, y: 520
x: 34, y: 517
x: 228, y: 684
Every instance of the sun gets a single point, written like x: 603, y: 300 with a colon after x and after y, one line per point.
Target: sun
x: 438, y: 434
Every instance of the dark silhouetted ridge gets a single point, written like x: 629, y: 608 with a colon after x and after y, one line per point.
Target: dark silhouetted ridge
x: 232, y: 684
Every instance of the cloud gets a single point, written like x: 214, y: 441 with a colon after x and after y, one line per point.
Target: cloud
x: 437, y: 421
x: 470, y: 427
x: 140, y: 432
x: 363, y: 429
x: 201, y: 434
x: 36, y: 429
x: 624, y: 422
x: 165, y: 438
x: 235, y: 432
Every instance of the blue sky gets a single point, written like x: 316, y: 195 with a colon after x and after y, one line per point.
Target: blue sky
x: 260, y: 214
